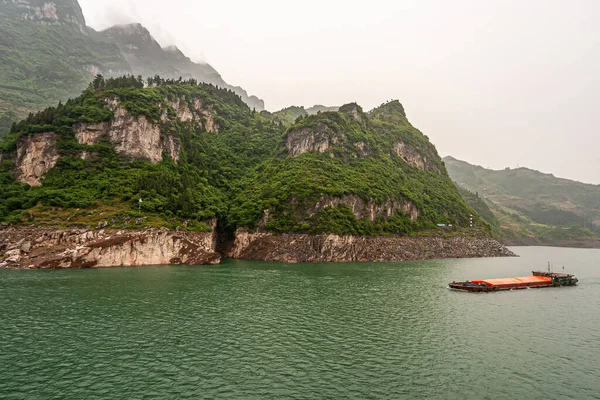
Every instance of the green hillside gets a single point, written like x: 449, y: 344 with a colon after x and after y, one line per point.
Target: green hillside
x: 376, y: 175
x: 360, y: 165
x: 194, y: 189
x: 531, y: 204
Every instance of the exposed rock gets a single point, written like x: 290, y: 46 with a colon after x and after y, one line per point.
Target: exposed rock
x: 53, y: 249
x: 319, y: 139
x: 408, y: 154
x: 353, y: 110
x: 300, y: 248
x: 364, y: 209
x: 196, y: 112
x: 413, y: 158
x: 26, y: 247
x: 360, y: 146
x: 89, y: 134
x: 130, y: 136
x: 80, y: 248
x: 135, y: 137
x: 92, y: 69
x: 12, y: 256
x: 36, y: 155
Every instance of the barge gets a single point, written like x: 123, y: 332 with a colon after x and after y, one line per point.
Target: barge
x: 537, y: 279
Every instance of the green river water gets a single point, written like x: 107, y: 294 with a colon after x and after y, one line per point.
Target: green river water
x: 259, y: 330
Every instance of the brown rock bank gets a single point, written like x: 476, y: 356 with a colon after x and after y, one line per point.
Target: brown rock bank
x: 44, y: 248
x: 301, y: 248
x: 47, y: 248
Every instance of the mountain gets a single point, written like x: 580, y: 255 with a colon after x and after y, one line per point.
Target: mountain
x: 531, y: 205
x: 48, y: 54
x: 352, y: 172
x: 65, y: 13
x: 148, y: 58
x: 201, y: 160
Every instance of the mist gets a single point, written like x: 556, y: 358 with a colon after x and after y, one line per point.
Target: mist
x: 497, y: 83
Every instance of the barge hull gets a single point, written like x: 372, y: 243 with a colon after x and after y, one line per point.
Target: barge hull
x: 536, y: 280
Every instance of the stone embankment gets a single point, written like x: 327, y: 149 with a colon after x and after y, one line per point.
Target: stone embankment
x: 300, y: 248
x: 40, y: 248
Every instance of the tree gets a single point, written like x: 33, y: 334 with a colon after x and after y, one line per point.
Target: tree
x: 98, y: 83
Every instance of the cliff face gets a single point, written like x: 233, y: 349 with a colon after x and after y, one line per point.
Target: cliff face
x: 412, y: 157
x: 361, y: 209
x: 36, y: 155
x: 36, y: 248
x: 317, y: 140
x: 130, y: 136
x: 298, y: 248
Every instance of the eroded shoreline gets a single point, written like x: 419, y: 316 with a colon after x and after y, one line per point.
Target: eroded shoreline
x: 48, y: 248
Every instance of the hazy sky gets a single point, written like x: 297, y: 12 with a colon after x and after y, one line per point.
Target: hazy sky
x: 496, y: 83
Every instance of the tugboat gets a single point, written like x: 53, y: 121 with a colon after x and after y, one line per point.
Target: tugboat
x: 537, y: 279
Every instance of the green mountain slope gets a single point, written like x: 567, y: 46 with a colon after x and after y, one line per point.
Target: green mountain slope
x: 531, y: 204
x: 104, y: 173
x: 349, y: 172
x: 194, y: 153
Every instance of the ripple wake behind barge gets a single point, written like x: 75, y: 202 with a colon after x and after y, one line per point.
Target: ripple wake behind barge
x: 537, y: 279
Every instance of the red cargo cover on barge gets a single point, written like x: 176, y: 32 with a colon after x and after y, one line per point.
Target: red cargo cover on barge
x: 520, y: 282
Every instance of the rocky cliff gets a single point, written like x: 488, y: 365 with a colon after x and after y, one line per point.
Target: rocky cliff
x: 131, y: 136
x: 36, y: 155
x: 37, y: 248
x: 298, y: 248
x: 44, y: 248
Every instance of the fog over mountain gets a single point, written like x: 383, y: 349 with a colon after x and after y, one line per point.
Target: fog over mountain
x: 498, y: 83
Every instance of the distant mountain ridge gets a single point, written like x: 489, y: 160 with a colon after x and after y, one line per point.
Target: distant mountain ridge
x: 529, y: 204
x: 56, y: 12
x: 147, y: 58
x: 48, y: 54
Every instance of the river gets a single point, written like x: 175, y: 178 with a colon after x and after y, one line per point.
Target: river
x: 262, y: 330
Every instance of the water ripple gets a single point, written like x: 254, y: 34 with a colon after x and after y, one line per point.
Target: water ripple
x: 257, y: 330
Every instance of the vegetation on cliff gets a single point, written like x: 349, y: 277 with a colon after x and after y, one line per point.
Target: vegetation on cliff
x: 345, y: 172
x: 356, y: 160
x: 192, y: 190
